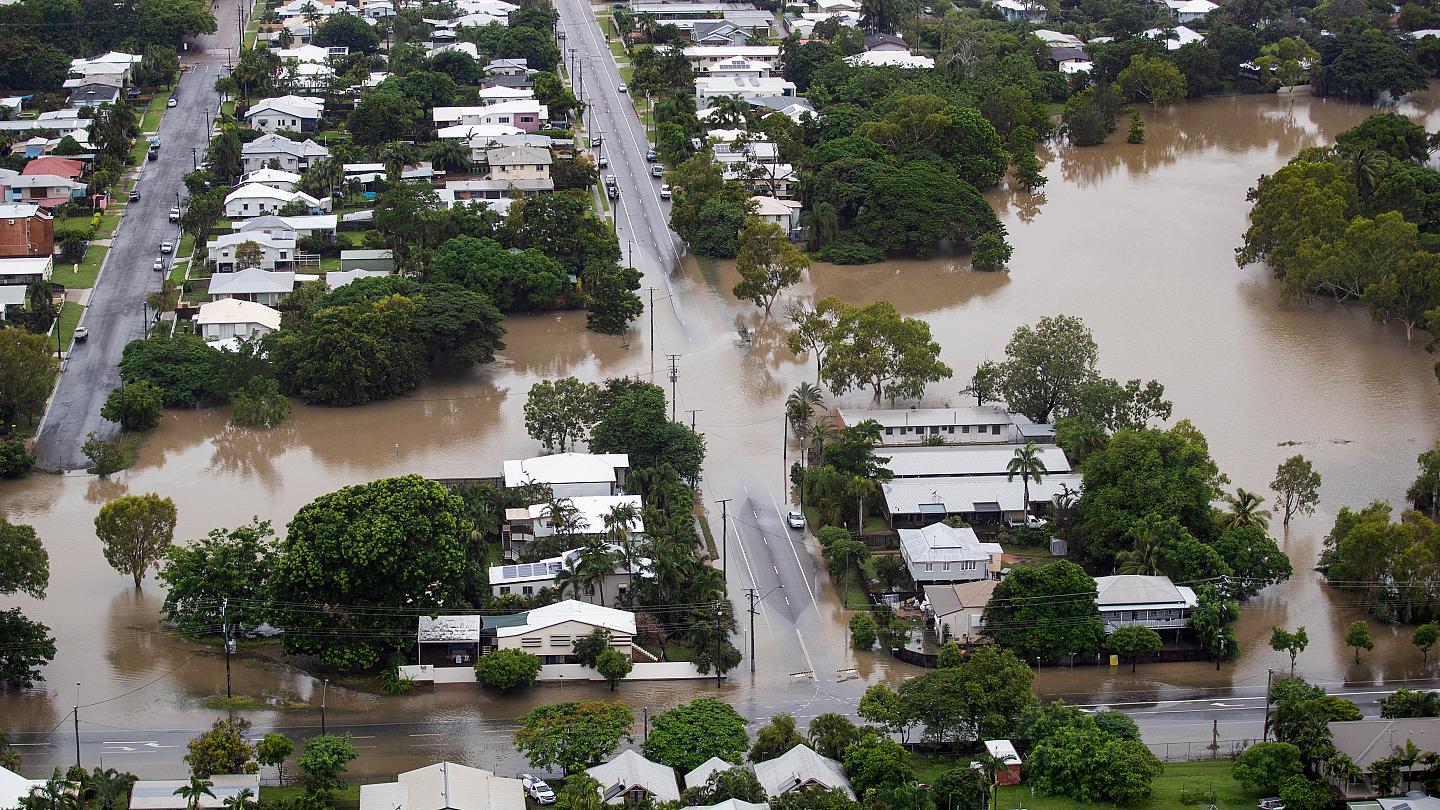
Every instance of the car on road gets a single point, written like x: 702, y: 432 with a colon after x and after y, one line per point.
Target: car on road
x: 174, y: 213
x: 664, y: 191
x: 166, y: 247
x: 795, y: 519
x: 602, y: 161
x: 622, y: 88
x: 536, y: 788
x: 657, y: 171
x: 82, y: 334
x: 135, y: 196
x: 594, y: 141
x: 154, y: 154
x: 651, y: 156
x: 159, y: 263
x: 171, y: 102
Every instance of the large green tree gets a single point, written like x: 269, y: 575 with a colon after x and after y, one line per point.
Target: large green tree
x: 25, y: 645
x: 572, y: 736
x: 1046, y: 611
x: 693, y: 732
x: 383, y: 550
x: 27, y: 374
x: 877, y: 348
x: 636, y: 423
x: 559, y: 414
x: 227, y: 564
x: 135, y: 531
x: 768, y: 263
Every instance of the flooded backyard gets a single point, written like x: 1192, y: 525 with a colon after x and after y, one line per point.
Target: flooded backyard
x: 1137, y: 240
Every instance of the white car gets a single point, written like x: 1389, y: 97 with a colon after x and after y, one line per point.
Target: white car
x: 664, y: 191
x: 603, y: 161
x: 159, y: 264
x: 82, y: 334
x: 795, y: 518
x: 537, y: 789
x: 622, y: 88
x: 166, y: 247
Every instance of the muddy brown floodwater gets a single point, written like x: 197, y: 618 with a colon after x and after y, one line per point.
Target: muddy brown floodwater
x: 1138, y: 240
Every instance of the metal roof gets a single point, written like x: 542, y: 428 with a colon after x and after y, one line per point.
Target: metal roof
x: 947, y: 460
x: 631, y: 770
x: 954, y: 495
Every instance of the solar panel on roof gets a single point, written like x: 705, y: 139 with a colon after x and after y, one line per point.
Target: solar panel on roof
x: 508, y: 571
x: 555, y: 568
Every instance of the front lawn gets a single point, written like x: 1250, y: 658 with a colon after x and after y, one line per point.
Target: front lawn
x: 1189, y: 777
x: 69, y: 316
x: 83, y: 275
x: 346, y: 798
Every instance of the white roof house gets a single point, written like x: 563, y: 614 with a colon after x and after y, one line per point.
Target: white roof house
x: 340, y: 278
x: 1003, y: 750
x: 300, y: 225
x: 902, y: 59
x: 285, y: 112
x: 500, y: 93
x: 254, y: 200
x: 1154, y: 602
x: 798, y: 768
x: 917, y: 501
x: 746, y: 87
x: 232, y: 317
x: 274, y: 178
x: 701, y: 55
x: 445, y: 786
x: 571, y: 474
x: 501, y: 112
x: 731, y: 804
x: 1057, y: 39
x: 160, y: 794
x: 26, y: 270
x: 1193, y: 10
x: 471, y: 132
x: 613, y: 619
x: 939, y: 553
x: 944, y: 461
x: 1182, y: 36
x: 961, y: 425
x: 629, y: 774
x: 252, y: 284
x: 14, y: 787
x: 1020, y: 10
x: 290, y: 155
x: 274, y: 249
x: 702, y: 772
x: 590, y: 513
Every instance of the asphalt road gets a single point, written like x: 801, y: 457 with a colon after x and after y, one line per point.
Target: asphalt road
x: 116, y: 312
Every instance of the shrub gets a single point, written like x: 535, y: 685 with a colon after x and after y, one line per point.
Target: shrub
x: 849, y: 251
x: 507, y: 669
x: 15, y: 460
x: 107, y: 457
x: 863, y: 631
x: 136, y: 405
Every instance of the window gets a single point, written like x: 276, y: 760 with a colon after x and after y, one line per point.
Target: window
x: 929, y: 567
x: 504, y: 119
x: 967, y: 565
x: 527, y: 119
x: 965, y: 429
x: 531, y: 641
x: 527, y: 590
x: 995, y: 430
x: 950, y: 429
x: 934, y: 431
x: 504, y: 589
x: 264, y: 122
x: 945, y: 566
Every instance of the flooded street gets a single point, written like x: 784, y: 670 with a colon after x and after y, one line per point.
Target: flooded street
x: 1137, y: 240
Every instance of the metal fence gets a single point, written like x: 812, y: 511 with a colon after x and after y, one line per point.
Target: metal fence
x: 1198, y: 750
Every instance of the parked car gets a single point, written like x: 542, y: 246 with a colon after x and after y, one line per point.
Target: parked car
x: 135, y: 196
x: 622, y: 88
x: 174, y: 213
x: 657, y: 171
x: 159, y: 264
x: 664, y: 191
x: 602, y: 161
x: 82, y: 334
x: 594, y: 141
x: 795, y: 518
x: 651, y: 156
x: 537, y: 789
x: 1032, y: 521
x: 166, y: 247
x: 171, y: 102
x: 154, y: 154
x: 1271, y: 803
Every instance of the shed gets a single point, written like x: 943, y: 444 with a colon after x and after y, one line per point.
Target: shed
x: 1004, y: 750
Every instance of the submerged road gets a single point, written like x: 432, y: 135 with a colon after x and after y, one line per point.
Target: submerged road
x: 116, y: 313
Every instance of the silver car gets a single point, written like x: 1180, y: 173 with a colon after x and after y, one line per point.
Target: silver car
x: 795, y: 518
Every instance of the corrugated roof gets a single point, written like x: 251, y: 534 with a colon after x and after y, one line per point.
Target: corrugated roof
x: 941, y: 543
x: 962, y: 494
x: 631, y: 770
x: 702, y: 773
x: 160, y: 794
x: 800, y: 766
x: 1125, y: 590
x: 445, y: 786
x: 613, y: 619
x: 449, y: 628
x: 960, y: 460
x: 565, y: 468
x: 947, y: 599
x: 1367, y: 741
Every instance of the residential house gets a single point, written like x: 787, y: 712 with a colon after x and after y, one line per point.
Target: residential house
x: 1004, y: 751
x: 518, y: 81
x: 275, y: 249
x: 274, y: 178
x: 161, y: 794
x: 886, y: 58
x: 737, y: 67
x: 769, y: 179
x: 630, y: 778
x: 885, y: 42
x: 798, y: 768
x: 956, y: 461
x: 1414, y: 800
x: 1369, y: 741
x: 367, y: 174
x: 986, y: 424
x: 235, y: 318
x: 590, y: 512
x: 26, y: 229
x: 287, y: 113
x: 941, y: 554
x: 731, y: 804
x: 44, y: 189
x: 528, y: 579
x: 296, y: 226
x: 523, y: 114
x: 959, y: 608
x: 453, y: 640
x: 1188, y: 12
x: 977, y: 499
x: 1174, y: 38
x: 718, y: 32
x: 285, y: 154
x: 1015, y: 10
x: 507, y: 67
x: 339, y: 278
x: 466, y: 190
x: 114, y: 63
x: 571, y: 475
x: 255, y: 200
x: 702, y: 772
x: 785, y: 213
x: 445, y: 786
x: 480, y: 144
x: 519, y: 163
x: 1132, y: 599
x: 1057, y: 39
x: 267, y: 287
x: 500, y: 94
x: 1070, y: 59
x: 14, y: 787
x: 368, y: 260
x: 701, y: 56
x: 313, y: 54
x: 93, y: 95
x: 54, y: 166
x: 23, y: 272
x: 748, y: 88
x: 550, y: 631
x: 474, y: 133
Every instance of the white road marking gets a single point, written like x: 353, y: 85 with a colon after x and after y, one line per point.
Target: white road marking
x: 808, y: 662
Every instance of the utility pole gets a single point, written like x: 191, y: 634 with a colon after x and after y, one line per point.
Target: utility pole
x: 1265, y: 735
x: 719, y: 612
x: 325, y: 690
x: 646, y: 737
x: 674, y: 375
x: 77, y: 712
x: 225, y: 625
x: 630, y: 252
x: 724, y: 536
x: 752, y: 593
x: 652, y: 339
x: 692, y: 413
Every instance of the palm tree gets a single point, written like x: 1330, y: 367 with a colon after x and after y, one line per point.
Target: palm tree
x: 108, y: 785
x: 1143, y: 558
x: 563, y: 517
x: 991, y: 766
x: 820, y: 433
x: 800, y: 406
x: 244, y: 800
x: 617, y: 525
x: 821, y: 222
x: 449, y: 156
x: 1343, y: 769
x: 192, y: 792
x: 731, y: 112
x: 597, y: 561
x: 396, y: 156
x: 1365, y: 165
x: 1026, y: 463
x: 567, y: 578
x: 1245, y: 510
x: 324, y: 177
